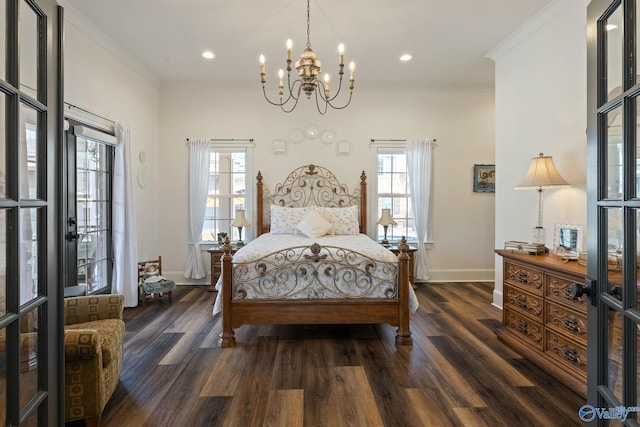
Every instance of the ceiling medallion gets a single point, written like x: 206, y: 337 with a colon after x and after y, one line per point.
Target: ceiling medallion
x: 309, y: 68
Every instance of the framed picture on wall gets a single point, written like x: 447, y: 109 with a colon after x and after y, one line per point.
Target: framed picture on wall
x: 484, y: 178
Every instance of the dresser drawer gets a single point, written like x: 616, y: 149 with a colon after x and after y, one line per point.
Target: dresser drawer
x: 528, y: 330
x: 524, y: 302
x: 523, y: 276
x: 566, y: 321
x: 566, y: 351
x: 558, y: 288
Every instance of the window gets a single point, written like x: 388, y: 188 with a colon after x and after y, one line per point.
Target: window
x: 392, y: 182
x: 229, y: 189
x: 391, y: 189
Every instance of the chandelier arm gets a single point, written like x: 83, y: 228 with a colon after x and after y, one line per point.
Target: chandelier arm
x: 344, y: 106
x: 326, y: 103
x: 296, y: 98
x: 264, y: 91
x: 292, y: 86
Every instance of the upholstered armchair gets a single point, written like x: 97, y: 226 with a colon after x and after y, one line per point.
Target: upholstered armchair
x: 93, y: 346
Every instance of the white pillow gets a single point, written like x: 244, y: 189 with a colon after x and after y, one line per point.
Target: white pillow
x: 344, y: 220
x: 314, y: 224
x: 285, y: 219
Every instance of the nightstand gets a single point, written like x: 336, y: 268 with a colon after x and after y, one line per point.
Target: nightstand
x: 216, y: 264
x: 412, y: 250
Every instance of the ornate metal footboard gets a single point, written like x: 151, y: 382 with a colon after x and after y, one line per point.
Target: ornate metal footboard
x: 315, y: 272
x: 315, y: 285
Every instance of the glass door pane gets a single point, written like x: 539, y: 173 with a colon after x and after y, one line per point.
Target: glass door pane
x: 93, y: 211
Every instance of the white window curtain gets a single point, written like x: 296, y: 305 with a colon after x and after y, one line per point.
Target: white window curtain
x: 198, y: 188
x: 125, y: 247
x: 420, y: 169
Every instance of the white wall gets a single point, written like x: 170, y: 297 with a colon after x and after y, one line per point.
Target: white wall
x: 462, y: 123
x: 107, y: 84
x: 97, y: 81
x: 540, y: 106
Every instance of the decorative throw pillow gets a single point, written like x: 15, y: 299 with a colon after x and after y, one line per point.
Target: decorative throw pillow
x: 314, y: 224
x: 285, y: 219
x: 344, y: 220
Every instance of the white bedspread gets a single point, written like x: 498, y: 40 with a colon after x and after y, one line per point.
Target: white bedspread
x: 331, y: 276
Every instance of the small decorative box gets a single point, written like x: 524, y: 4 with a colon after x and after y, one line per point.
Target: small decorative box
x: 525, y: 247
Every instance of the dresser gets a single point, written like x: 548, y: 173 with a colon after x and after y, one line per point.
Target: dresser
x: 541, y: 320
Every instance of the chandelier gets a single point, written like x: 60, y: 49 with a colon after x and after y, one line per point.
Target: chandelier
x: 309, y: 68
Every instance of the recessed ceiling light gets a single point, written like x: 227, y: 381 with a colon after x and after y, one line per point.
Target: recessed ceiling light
x: 207, y: 54
x: 405, y: 57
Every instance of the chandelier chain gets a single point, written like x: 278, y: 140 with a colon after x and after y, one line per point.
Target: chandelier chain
x: 308, y: 24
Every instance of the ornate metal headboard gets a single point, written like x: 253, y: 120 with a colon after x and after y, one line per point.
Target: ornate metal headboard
x: 310, y: 185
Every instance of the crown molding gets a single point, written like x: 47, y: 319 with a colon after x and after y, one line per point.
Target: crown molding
x: 78, y: 20
x: 531, y: 26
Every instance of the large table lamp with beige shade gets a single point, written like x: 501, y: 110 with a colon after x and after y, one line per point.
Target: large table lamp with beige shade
x: 542, y: 174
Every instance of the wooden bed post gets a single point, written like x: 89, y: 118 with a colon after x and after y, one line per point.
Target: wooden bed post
x: 226, y: 337
x: 363, y: 203
x: 403, y: 334
x: 259, y: 205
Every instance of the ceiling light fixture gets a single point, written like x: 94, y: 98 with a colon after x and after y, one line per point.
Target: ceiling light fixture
x: 309, y: 69
x: 207, y: 54
x: 405, y: 57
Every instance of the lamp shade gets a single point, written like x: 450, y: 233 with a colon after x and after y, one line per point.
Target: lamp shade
x: 542, y: 173
x: 386, y: 218
x: 240, y: 220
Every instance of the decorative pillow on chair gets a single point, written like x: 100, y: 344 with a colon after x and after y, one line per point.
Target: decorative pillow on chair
x: 314, y: 224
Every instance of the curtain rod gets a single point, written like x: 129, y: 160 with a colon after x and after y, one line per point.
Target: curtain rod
x: 395, y: 140
x: 74, y: 107
x: 228, y: 139
x: 249, y: 140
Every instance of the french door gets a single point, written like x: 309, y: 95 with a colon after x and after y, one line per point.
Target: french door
x: 31, y: 357
x: 89, y: 161
x: 613, y: 213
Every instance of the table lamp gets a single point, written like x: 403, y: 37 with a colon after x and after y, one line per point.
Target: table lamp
x: 386, y: 219
x: 240, y: 221
x: 542, y: 174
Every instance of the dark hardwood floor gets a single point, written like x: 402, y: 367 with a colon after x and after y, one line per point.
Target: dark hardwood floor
x: 456, y: 373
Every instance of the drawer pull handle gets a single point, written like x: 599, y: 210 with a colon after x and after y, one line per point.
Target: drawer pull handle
x: 522, y: 326
x: 521, y: 301
x: 570, y: 324
x: 571, y: 354
x: 523, y: 277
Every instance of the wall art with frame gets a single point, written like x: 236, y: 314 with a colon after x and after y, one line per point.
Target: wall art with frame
x: 484, y: 178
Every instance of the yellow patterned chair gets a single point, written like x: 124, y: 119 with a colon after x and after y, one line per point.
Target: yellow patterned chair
x: 93, y: 348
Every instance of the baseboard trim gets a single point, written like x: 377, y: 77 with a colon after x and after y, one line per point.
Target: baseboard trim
x: 462, y: 275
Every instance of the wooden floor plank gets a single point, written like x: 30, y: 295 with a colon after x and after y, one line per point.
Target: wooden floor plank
x: 285, y: 408
x: 457, y: 373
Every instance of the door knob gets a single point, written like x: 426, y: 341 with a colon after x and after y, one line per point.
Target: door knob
x: 578, y: 290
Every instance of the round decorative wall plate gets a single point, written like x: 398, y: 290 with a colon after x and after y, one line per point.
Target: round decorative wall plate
x: 296, y: 136
x: 328, y: 137
x: 311, y: 131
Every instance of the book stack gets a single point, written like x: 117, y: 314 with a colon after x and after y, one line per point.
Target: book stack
x: 524, y: 247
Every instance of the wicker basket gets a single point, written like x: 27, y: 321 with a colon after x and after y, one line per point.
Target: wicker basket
x: 614, y: 261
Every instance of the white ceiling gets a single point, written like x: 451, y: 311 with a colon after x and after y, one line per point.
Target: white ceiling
x: 447, y: 38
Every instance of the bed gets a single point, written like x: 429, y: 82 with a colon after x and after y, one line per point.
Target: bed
x: 312, y: 262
